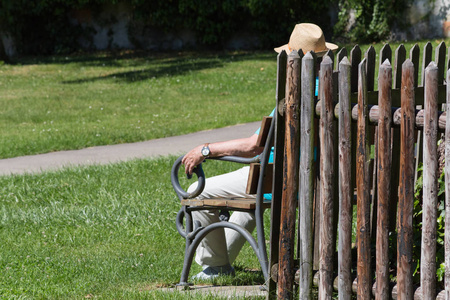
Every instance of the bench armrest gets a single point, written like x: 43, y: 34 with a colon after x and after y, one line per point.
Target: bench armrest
x: 238, y: 159
x: 182, y: 194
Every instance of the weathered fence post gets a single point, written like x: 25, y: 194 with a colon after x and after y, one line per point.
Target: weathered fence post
x: 327, y: 247
x: 370, y: 56
x: 414, y: 55
x: 355, y: 59
x: 447, y: 191
x: 345, y: 182
x: 363, y: 189
x: 384, y: 180
x: 400, y: 56
x: 278, y: 166
x: 306, y: 189
x: 426, y: 59
x: 290, y: 178
x: 406, y: 190
x: 439, y: 58
x: 430, y: 163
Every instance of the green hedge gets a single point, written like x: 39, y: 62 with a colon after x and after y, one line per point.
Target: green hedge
x: 373, y: 19
x: 43, y: 26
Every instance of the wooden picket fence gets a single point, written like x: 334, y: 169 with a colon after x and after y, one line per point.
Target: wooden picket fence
x: 369, y: 144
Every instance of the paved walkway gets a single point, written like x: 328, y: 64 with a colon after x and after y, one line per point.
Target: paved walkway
x: 230, y: 292
x: 122, y: 152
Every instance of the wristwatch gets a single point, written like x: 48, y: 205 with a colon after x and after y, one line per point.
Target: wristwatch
x: 205, y: 150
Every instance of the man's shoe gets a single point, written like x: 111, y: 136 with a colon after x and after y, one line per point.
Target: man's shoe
x: 214, y: 272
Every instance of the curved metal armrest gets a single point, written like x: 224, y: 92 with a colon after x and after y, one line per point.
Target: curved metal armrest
x: 182, y: 194
x: 238, y: 159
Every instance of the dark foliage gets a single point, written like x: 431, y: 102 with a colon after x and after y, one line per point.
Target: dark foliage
x: 45, y: 27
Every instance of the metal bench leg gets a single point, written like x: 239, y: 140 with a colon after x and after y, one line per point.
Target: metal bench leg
x: 262, y: 250
x: 187, y: 233
x: 200, y: 234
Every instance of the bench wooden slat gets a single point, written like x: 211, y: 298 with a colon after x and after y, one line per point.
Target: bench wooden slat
x: 240, y: 203
x: 264, y: 131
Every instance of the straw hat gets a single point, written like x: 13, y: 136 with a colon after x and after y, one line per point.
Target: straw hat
x: 308, y: 37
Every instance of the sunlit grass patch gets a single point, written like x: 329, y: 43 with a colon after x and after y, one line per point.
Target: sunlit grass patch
x: 60, y: 103
x: 106, y: 231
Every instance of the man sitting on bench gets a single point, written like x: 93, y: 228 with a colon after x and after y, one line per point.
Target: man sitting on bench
x: 219, y: 248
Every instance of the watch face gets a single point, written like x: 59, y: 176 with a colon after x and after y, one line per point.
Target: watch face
x: 205, y: 151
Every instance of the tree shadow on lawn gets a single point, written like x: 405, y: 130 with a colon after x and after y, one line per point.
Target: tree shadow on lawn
x: 151, y: 64
x: 244, y: 276
x: 248, y: 276
x: 166, y: 65
x: 168, y: 69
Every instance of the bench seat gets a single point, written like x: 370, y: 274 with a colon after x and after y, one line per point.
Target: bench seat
x: 235, y: 203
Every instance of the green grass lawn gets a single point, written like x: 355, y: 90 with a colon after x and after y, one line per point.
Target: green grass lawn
x: 73, y: 102
x: 109, y: 231
x: 104, y: 231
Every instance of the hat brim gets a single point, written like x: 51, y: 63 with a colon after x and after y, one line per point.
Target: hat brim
x: 330, y: 46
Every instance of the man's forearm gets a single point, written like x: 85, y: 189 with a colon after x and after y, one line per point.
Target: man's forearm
x: 245, y: 147
x: 239, y: 147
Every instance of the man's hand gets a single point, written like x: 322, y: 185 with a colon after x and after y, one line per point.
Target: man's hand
x: 192, y: 159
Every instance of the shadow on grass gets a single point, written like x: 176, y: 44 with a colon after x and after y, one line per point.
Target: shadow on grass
x: 151, y: 64
x: 166, y: 65
x: 248, y: 277
x: 168, y: 68
x: 243, y: 277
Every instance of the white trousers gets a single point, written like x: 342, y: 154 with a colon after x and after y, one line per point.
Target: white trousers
x: 221, y: 246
